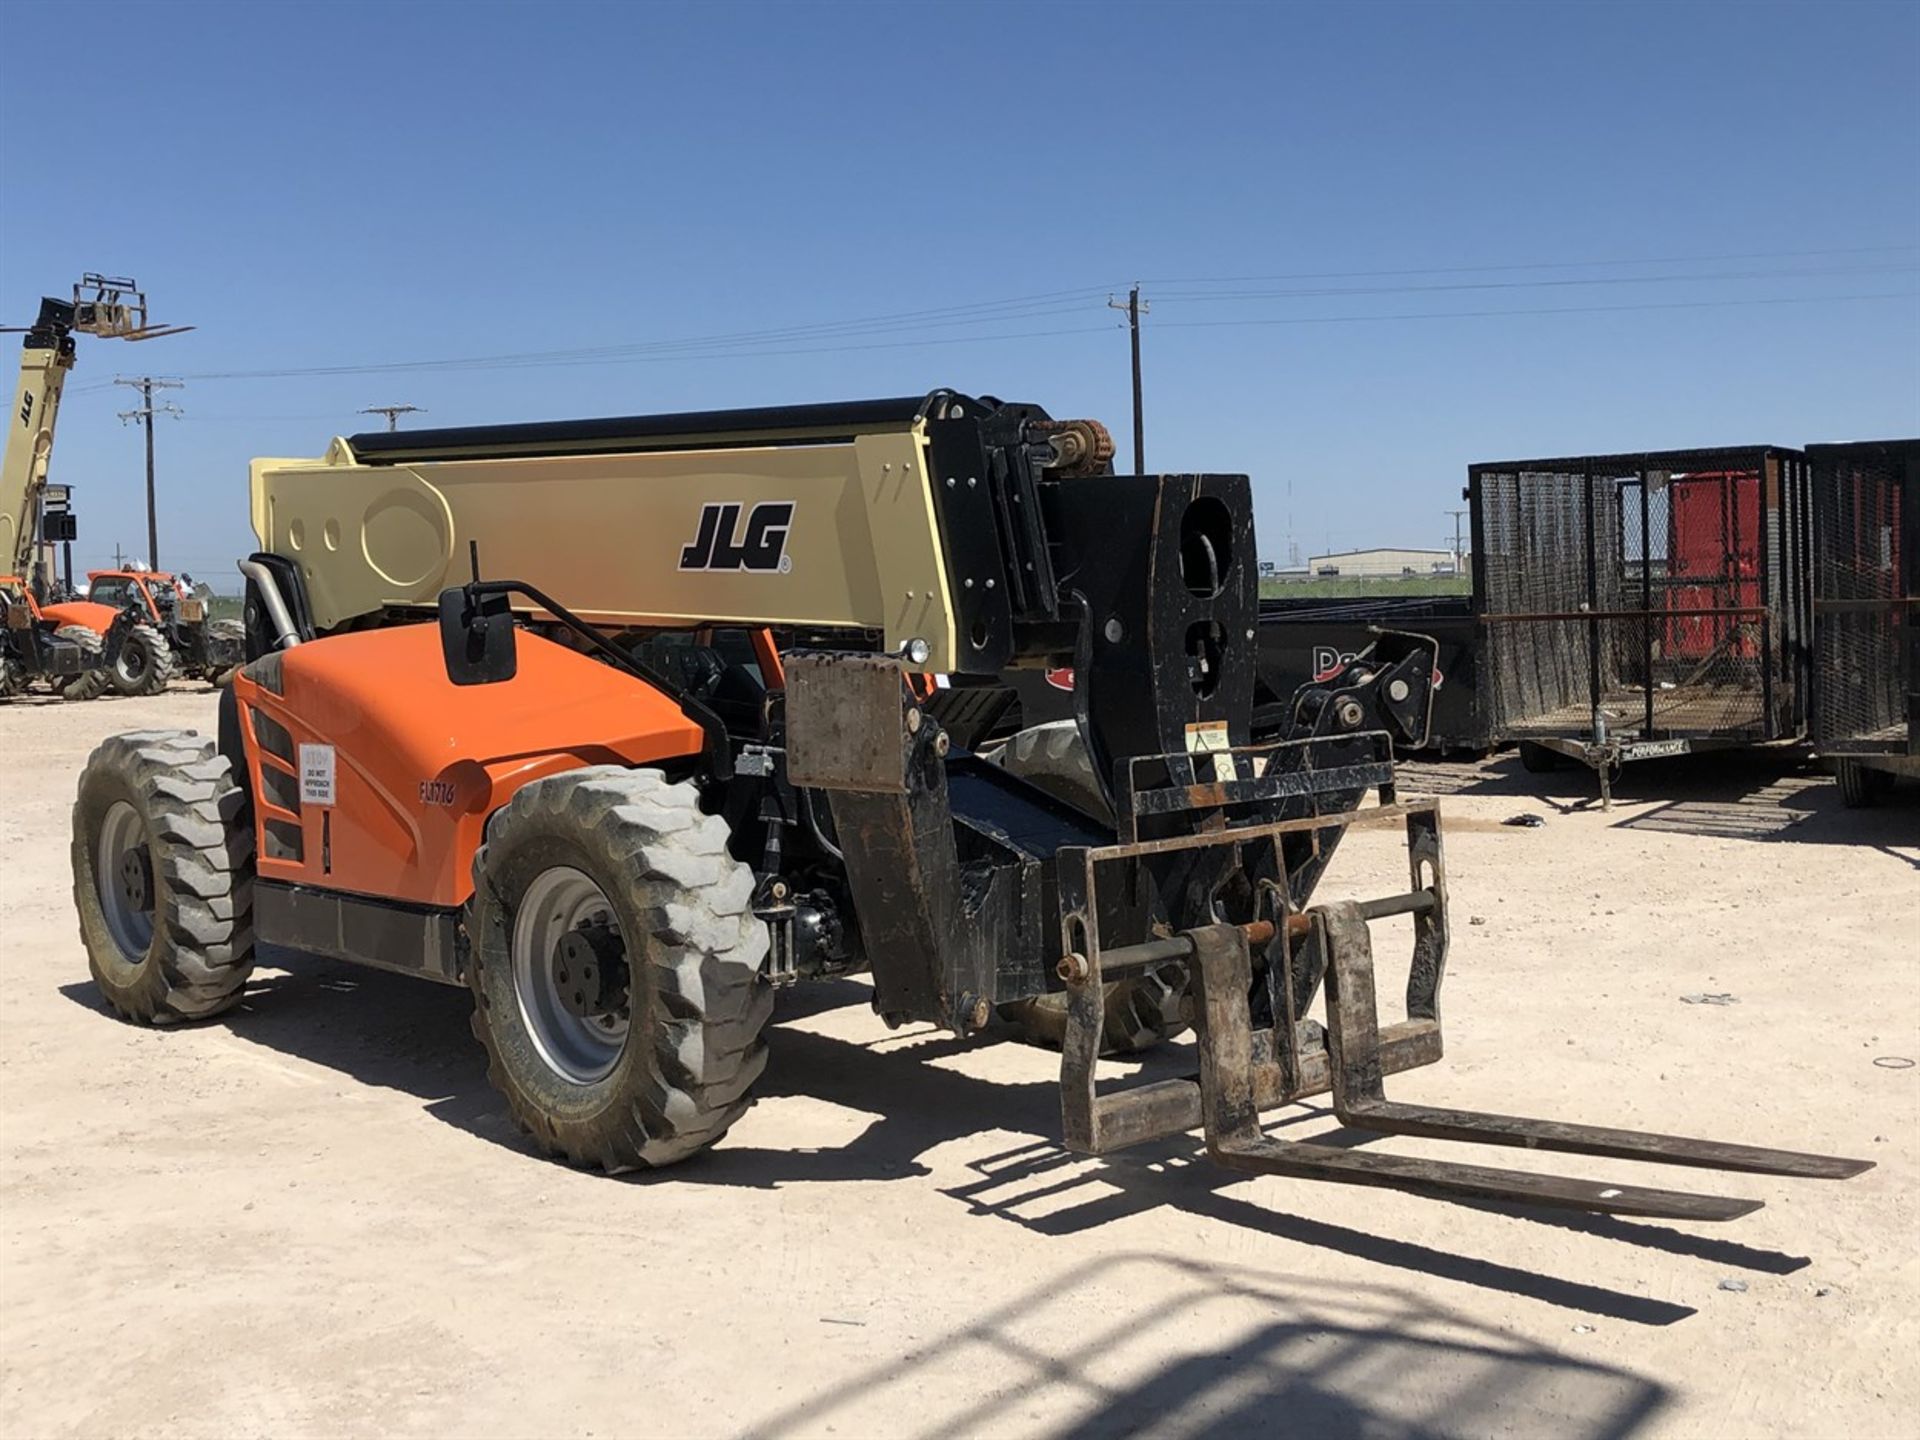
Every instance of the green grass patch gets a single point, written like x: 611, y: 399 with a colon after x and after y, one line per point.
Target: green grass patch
x: 1356, y: 587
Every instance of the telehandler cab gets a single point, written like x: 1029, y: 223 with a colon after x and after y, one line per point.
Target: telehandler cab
x: 625, y: 724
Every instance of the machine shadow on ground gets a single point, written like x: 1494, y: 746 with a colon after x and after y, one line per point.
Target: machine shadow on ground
x: 1215, y: 1351
x: 1753, y: 794
x: 396, y: 1033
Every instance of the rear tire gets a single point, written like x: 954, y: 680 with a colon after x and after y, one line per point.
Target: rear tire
x: 144, y: 663
x: 1141, y: 1010
x: 615, y: 968
x: 13, y: 678
x: 163, y: 876
x: 90, y: 682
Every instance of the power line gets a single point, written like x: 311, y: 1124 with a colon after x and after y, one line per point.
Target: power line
x: 794, y: 340
x: 1539, y: 265
x: 1546, y: 310
x: 1344, y: 290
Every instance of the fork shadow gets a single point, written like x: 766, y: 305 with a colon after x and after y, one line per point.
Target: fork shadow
x: 397, y: 1033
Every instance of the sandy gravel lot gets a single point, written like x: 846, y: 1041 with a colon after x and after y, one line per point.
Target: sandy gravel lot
x: 311, y: 1218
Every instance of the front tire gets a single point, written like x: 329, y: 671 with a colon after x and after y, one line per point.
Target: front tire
x: 91, y: 682
x: 144, y: 663
x: 1141, y: 1010
x: 615, y: 968
x: 163, y: 876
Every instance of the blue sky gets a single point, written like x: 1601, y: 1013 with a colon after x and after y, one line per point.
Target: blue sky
x: 344, y: 185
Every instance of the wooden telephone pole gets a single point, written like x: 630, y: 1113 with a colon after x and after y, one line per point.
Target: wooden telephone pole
x: 1135, y: 309
x: 393, y: 413
x: 146, y: 385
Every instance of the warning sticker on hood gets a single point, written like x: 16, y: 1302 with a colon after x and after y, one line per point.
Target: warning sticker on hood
x: 316, y: 775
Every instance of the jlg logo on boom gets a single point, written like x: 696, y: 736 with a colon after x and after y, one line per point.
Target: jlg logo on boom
x: 722, y: 545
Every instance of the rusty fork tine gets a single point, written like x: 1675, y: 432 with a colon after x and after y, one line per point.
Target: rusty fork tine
x: 1359, y: 1095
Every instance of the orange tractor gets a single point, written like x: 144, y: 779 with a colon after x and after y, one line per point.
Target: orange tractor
x: 168, y: 631
x: 623, y: 725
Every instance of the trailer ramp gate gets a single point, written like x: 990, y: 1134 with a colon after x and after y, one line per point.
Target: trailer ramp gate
x: 1644, y: 605
x: 1866, y: 662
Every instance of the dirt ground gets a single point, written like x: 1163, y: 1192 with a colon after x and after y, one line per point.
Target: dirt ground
x: 312, y: 1218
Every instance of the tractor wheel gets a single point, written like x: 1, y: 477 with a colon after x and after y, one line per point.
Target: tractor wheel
x: 13, y: 678
x: 1142, y: 1010
x: 224, y: 634
x: 145, y: 662
x: 1861, y: 785
x: 615, y: 968
x: 163, y: 876
x: 91, y: 682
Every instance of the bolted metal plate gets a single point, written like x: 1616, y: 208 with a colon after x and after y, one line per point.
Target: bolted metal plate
x: 847, y: 723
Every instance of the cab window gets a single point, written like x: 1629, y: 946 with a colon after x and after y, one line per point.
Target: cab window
x: 116, y: 591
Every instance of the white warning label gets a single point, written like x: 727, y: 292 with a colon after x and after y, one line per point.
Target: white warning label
x: 1210, y: 738
x: 316, y: 775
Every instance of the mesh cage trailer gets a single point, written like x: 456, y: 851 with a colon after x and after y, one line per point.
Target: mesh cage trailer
x: 1647, y: 604
x: 1866, y: 647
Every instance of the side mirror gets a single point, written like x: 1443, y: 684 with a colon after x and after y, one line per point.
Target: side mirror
x: 476, y: 637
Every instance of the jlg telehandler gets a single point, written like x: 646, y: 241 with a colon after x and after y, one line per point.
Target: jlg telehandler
x: 169, y: 631
x: 34, y: 646
x: 76, y: 648
x: 624, y: 724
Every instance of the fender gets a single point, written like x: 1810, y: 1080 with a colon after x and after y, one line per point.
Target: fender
x: 97, y: 618
x: 372, y: 774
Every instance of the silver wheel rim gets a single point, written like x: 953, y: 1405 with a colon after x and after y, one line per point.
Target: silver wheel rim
x: 133, y: 662
x: 580, y: 1048
x: 123, y: 879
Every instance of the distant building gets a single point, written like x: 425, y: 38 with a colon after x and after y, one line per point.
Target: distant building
x: 1381, y: 564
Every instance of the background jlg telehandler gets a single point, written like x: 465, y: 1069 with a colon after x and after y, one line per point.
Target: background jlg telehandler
x: 169, y: 631
x: 77, y: 650
x: 682, y: 747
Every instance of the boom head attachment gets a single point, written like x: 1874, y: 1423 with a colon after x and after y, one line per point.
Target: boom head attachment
x: 115, y: 308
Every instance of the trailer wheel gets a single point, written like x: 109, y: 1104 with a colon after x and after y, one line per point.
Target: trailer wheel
x: 163, y: 876
x: 144, y: 663
x: 1538, y: 759
x: 90, y: 682
x: 1861, y: 785
x: 615, y: 968
x: 1141, y: 1010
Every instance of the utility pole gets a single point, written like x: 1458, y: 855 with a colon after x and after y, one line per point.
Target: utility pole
x: 119, y: 557
x: 1456, y: 514
x: 1135, y: 309
x: 393, y: 413
x: 146, y: 385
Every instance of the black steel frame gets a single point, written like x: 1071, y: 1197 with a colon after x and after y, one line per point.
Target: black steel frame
x: 1891, y: 468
